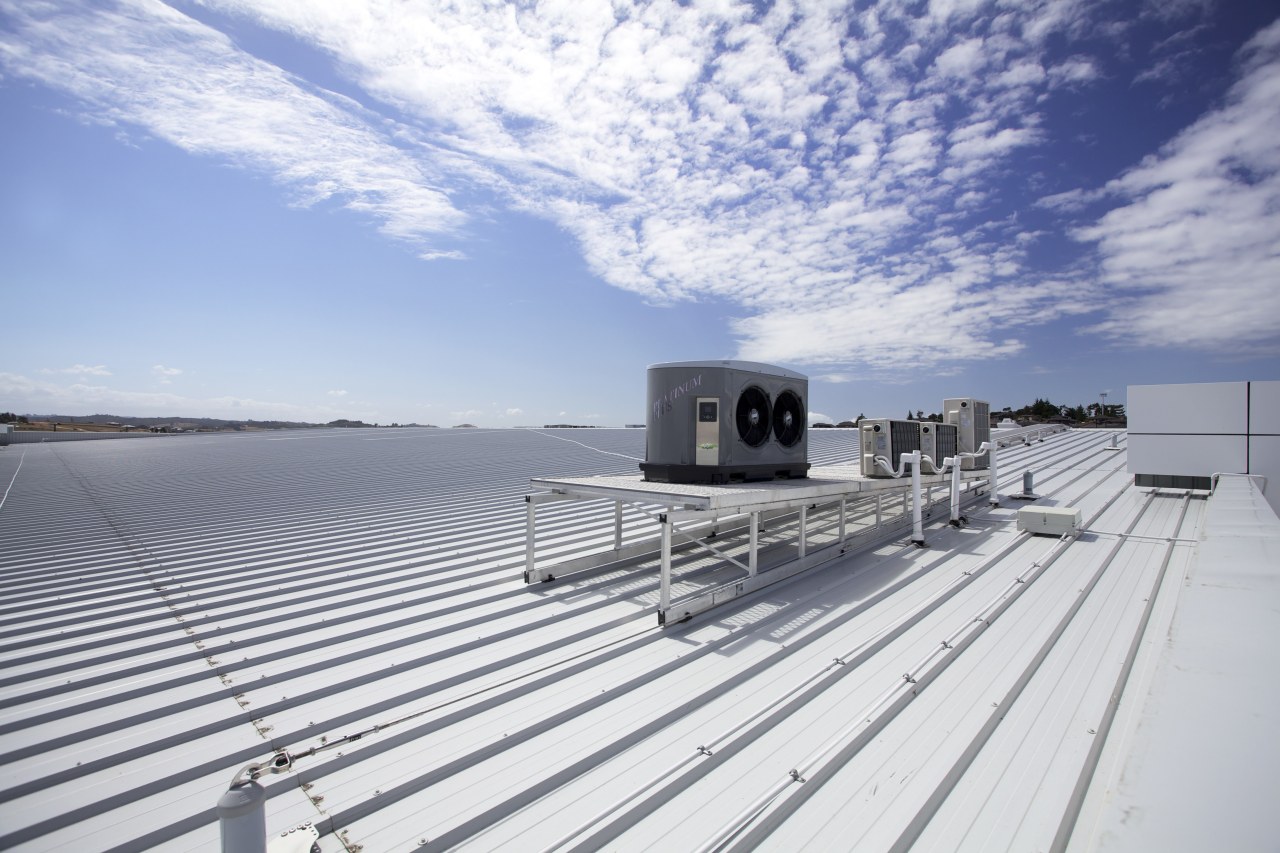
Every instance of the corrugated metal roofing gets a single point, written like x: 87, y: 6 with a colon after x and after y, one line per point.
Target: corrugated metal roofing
x: 179, y: 606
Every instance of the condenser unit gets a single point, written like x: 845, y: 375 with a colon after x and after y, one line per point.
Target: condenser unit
x: 937, y: 442
x: 887, y: 438
x: 724, y: 422
x: 972, y: 419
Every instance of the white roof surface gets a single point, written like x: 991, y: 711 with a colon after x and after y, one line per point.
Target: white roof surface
x: 177, y: 607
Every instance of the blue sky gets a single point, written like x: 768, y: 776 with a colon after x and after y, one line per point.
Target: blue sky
x: 502, y: 213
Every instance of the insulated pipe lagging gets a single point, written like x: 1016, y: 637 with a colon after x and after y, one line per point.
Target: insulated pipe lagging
x: 917, y: 520
x: 912, y: 459
x: 990, y: 447
x: 955, y: 488
x: 883, y: 462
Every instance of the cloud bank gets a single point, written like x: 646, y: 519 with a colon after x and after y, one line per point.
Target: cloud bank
x: 850, y: 180
x: 1193, y: 253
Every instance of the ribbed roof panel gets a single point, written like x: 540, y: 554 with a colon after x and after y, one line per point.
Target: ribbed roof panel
x: 176, y: 607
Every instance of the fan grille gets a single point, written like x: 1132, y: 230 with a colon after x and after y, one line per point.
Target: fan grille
x: 752, y: 416
x: 788, y: 419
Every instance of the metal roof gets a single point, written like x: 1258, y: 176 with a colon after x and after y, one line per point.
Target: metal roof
x: 179, y: 606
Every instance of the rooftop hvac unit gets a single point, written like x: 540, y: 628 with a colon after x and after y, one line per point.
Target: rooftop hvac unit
x: 937, y: 441
x: 725, y: 421
x: 887, y: 438
x: 972, y: 419
x: 5, y: 431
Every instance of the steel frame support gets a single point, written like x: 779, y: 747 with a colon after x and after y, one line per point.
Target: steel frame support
x: 753, y: 547
x: 804, y: 531
x: 682, y: 522
x: 664, y: 591
x: 843, y: 517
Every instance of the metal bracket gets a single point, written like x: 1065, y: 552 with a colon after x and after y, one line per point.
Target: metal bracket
x: 281, y: 762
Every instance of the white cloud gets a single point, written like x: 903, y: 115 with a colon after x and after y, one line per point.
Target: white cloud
x: 962, y: 60
x: 1192, y: 254
x: 827, y: 170
x: 34, y: 396
x: 1074, y: 71
x: 452, y: 255
x: 142, y: 64
x: 1071, y: 200
x: 80, y: 370
x: 165, y: 374
x: 338, y: 392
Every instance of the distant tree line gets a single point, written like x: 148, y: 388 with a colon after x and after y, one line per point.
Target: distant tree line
x: 165, y: 424
x: 1040, y: 411
x: 1043, y: 410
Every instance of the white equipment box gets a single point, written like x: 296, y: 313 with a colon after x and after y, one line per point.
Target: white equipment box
x: 1051, y: 520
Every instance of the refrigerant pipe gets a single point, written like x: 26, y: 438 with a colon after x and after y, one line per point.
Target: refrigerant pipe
x: 912, y: 459
x: 955, y: 488
x: 917, y: 519
x: 991, y: 448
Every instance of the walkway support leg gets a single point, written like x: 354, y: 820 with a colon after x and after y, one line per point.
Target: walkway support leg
x: 664, y: 593
x: 955, y: 490
x: 917, y: 521
x: 842, y: 521
x: 753, y: 554
x: 617, y: 525
x: 531, y: 511
x: 804, y: 525
x: 995, y: 488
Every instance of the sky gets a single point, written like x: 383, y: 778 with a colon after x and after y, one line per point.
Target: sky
x: 502, y: 213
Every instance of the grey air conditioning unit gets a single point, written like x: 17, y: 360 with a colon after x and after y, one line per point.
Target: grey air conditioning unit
x: 972, y: 419
x: 887, y: 438
x: 725, y: 422
x: 937, y: 442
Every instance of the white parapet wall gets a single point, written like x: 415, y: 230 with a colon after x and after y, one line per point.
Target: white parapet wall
x: 1181, y: 435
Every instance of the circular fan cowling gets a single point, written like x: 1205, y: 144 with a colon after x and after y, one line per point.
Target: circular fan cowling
x: 788, y: 419
x: 752, y: 416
